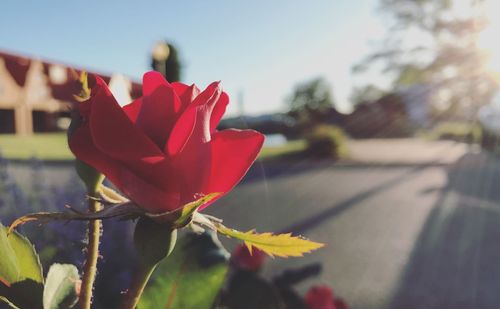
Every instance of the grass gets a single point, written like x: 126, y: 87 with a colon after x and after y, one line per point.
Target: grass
x: 290, y: 148
x: 45, y: 146
x: 53, y: 146
x: 458, y: 131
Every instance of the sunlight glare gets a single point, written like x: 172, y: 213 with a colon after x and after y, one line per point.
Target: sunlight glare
x: 488, y: 41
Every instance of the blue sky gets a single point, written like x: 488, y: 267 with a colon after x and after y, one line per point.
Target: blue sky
x: 259, y: 48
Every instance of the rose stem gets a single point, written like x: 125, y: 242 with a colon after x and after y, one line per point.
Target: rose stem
x: 90, y: 266
x: 141, y: 278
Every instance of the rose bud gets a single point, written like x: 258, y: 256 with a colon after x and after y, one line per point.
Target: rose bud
x: 244, y: 260
x: 321, y: 297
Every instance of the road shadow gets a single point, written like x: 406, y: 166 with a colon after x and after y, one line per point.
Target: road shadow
x: 315, y: 220
x: 269, y: 169
x: 455, y: 262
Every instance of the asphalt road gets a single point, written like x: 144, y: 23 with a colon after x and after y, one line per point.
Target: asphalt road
x: 419, y: 233
x: 407, y: 223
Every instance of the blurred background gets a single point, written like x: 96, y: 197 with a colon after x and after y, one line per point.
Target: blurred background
x: 382, y: 120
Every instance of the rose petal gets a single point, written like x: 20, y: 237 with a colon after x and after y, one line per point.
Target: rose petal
x: 115, y: 135
x: 159, y: 109
x: 181, y: 132
x: 233, y: 152
x: 218, y: 111
x: 132, y: 109
x: 129, y: 183
x: 204, y: 103
x: 186, y: 93
x: 113, y: 132
x: 194, y: 123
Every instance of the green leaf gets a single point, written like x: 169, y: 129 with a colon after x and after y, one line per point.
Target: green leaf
x: 85, y: 90
x: 283, y: 245
x: 27, y: 258
x: 187, y: 279
x: 18, y: 258
x: 61, y: 287
x: 20, y: 271
x: 9, y: 268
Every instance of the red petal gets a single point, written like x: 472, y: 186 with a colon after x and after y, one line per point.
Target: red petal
x: 193, y: 127
x: 204, y: 103
x: 186, y: 93
x: 113, y: 132
x: 233, y: 152
x: 132, y: 110
x: 134, y: 187
x: 159, y: 109
x: 181, y: 132
x: 219, y: 110
x: 115, y: 135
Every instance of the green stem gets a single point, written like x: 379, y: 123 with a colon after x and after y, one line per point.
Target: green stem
x: 90, y: 267
x: 153, y: 242
x: 141, y: 279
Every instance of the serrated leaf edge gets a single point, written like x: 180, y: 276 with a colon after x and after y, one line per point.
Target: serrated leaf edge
x: 263, y: 246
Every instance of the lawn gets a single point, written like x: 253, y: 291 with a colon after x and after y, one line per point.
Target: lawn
x: 458, y: 131
x: 290, y: 148
x: 53, y: 146
x: 45, y: 146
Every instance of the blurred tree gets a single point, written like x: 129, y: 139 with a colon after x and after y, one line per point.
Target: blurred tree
x: 436, y: 42
x: 165, y: 60
x: 310, y: 101
x: 368, y: 93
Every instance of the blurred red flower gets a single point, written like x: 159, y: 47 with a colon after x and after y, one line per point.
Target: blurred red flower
x: 162, y: 150
x: 242, y: 259
x: 321, y: 297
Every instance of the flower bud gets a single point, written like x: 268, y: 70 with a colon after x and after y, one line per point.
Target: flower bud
x: 89, y: 175
x: 153, y: 241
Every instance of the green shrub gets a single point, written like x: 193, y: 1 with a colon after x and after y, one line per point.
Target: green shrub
x: 326, y: 141
x: 456, y: 131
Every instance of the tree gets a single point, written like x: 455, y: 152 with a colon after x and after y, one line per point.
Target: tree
x: 165, y: 60
x: 311, y: 100
x: 446, y: 55
x: 368, y: 93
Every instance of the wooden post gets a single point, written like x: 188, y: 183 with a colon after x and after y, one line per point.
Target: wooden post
x: 23, y: 119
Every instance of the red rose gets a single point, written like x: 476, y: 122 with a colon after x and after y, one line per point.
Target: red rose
x: 321, y: 297
x: 243, y: 259
x: 163, y: 150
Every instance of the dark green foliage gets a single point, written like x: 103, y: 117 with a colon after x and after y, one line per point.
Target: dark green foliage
x: 326, y: 141
x: 310, y: 102
x: 191, y: 277
x: 365, y: 94
x: 386, y: 117
x: 247, y: 290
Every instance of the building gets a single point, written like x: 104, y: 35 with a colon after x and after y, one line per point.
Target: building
x: 36, y: 95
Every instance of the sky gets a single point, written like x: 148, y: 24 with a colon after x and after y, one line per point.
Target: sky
x: 258, y: 49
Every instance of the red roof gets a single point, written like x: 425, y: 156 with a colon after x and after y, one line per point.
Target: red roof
x: 18, y: 67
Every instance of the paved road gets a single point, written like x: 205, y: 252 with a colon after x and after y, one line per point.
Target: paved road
x: 408, y: 224
x: 421, y: 233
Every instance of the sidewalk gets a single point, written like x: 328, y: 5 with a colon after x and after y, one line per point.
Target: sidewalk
x: 404, y: 151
